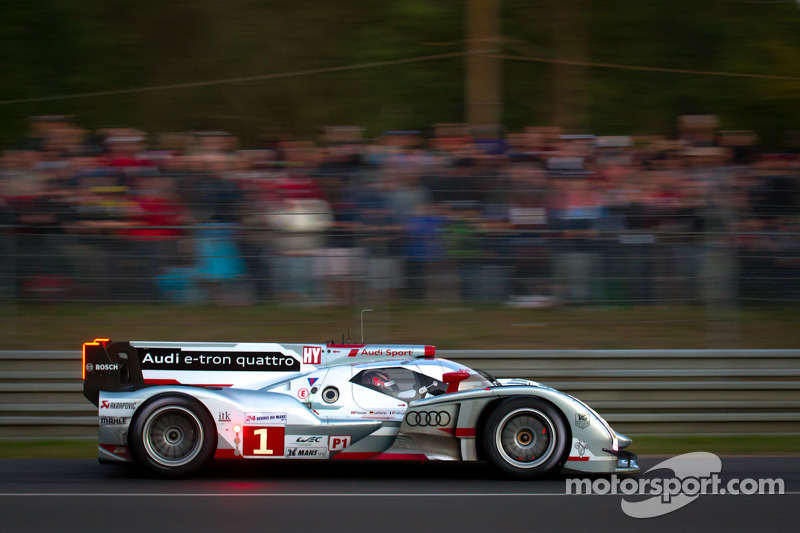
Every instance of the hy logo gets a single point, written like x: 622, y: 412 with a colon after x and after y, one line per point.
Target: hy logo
x: 312, y: 355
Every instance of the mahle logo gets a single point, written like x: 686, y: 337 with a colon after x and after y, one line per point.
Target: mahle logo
x: 694, y: 474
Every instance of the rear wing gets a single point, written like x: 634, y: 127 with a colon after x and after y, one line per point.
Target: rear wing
x: 110, y: 366
x: 122, y: 366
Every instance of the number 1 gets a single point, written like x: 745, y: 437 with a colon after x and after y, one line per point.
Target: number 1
x: 262, y: 437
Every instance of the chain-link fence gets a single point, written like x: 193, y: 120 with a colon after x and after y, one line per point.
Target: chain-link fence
x: 441, y: 260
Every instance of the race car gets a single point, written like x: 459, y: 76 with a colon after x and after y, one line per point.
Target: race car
x: 173, y: 407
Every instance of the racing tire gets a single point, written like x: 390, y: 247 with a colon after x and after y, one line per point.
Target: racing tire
x: 526, y: 438
x: 173, y: 436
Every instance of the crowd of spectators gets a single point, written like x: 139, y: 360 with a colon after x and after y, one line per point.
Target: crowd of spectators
x: 537, y: 218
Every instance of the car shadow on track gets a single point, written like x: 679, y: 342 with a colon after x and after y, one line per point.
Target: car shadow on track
x: 326, y: 470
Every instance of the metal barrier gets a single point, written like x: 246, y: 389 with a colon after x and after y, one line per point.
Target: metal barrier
x: 698, y: 392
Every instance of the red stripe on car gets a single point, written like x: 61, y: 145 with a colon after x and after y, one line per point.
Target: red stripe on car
x: 176, y: 382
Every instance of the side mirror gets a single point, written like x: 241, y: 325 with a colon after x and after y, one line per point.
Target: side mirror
x: 453, y: 379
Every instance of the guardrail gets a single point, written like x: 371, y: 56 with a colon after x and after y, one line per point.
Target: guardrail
x: 698, y: 392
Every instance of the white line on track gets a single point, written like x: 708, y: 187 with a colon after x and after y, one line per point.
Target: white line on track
x: 326, y: 494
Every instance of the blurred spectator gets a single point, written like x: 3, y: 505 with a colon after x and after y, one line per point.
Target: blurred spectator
x: 535, y: 219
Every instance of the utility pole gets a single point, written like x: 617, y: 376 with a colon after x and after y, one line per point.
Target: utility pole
x: 568, y: 99
x: 484, y: 73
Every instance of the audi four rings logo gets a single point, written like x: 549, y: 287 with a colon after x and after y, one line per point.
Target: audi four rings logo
x: 428, y: 418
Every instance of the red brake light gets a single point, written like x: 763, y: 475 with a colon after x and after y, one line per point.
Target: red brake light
x: 95, y: 342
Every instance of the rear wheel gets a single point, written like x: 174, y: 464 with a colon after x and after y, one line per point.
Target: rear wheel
x: 526, y: 438
x: 173, y: 436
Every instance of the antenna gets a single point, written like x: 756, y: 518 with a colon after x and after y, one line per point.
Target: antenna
x: 362, y: 323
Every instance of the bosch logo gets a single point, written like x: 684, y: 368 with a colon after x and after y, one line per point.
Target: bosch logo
x: 104, y: 366
x: 428, y: 418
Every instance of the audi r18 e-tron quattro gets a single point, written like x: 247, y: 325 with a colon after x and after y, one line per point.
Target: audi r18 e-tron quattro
x: 173, y: 407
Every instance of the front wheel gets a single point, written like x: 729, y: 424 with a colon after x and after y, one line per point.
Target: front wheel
x: 173, y: 436
x: 526, y: 438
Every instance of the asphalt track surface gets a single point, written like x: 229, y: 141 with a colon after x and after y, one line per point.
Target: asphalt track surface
x: 312, y: 496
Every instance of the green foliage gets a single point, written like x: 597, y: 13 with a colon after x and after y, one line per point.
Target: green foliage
x: 63, y: 47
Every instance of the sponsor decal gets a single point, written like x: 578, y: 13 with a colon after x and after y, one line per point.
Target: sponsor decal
x: 582, y: 420
x: 265, y: 418
x: 177, y: 359
x: 312, y: 355
x: 113, y: 420
x: 102, y: 366
x: 263, y: 441
x: 306, y: 440
x: 307, y: 453
x: 581, y: 447
x: 428, y: 418
x: 302, y: 394
x: 339, y: 442
x: 106, y: 404
x: 224, y: 416
x: 388, y: 352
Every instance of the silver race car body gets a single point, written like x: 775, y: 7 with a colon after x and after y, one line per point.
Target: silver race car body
x: 173, y: 406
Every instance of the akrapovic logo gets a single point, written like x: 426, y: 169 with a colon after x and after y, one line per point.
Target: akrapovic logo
x: 105, y: 404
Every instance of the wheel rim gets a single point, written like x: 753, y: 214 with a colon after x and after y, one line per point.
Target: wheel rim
x: 525, y: 438
x: 173, y: 436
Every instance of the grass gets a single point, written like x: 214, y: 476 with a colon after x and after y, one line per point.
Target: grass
x: 448, y: 326
x: 642, y: 445
x: 48, y: 449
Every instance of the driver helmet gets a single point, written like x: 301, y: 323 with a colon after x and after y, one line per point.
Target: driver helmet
x: 380, y: 380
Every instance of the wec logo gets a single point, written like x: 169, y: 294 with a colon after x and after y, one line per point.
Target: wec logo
x: 312, y: 355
